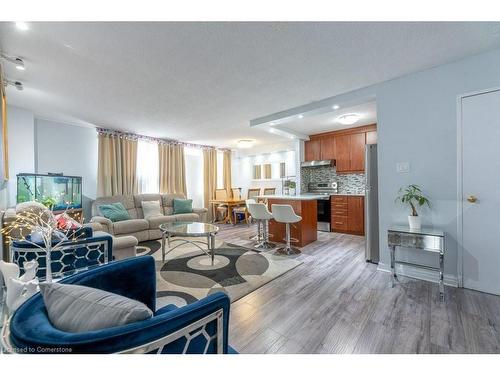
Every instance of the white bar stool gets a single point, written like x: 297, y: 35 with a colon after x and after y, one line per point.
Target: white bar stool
x: 283, y: 213
x: 262, y: 215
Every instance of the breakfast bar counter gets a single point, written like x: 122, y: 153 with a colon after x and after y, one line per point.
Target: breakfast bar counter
x: 305, y: 206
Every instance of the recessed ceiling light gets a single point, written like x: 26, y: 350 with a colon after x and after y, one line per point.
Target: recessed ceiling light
x: 348, y: 119
x: 336, y: 107
x: 300, y: 116
x: 272, y: 123
x: 22, y: 26
x: 245, y: 143
x: 19, y: 64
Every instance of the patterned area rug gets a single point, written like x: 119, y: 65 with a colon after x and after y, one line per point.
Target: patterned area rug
x: 187, y: 274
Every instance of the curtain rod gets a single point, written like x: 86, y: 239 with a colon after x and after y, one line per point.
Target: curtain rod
x: 126, y: 135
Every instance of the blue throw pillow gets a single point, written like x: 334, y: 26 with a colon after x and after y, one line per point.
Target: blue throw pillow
x: 183, y: 206
x: 114, y: 212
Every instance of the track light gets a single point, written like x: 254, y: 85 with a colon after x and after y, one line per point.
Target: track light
x: 18, y: 85
x: 17, y: 61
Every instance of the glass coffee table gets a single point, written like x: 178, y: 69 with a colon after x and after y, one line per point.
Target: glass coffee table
x: 181, y: 231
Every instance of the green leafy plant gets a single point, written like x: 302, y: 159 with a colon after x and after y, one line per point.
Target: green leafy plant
x: 412, y: 196
x: 49, y: 202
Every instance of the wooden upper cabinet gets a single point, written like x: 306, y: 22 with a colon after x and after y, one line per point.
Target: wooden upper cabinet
x: 328, y: 148
x: 357, y: 151
x: 312, y: 150
x: 371, y: 137
x: 342, y: 152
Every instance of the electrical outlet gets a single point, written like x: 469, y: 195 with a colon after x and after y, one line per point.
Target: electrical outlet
x: 403, y: 167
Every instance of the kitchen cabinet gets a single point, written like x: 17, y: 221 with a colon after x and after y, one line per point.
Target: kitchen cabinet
x: 356, y: 214
x: 346, y: 147
x: 312, y: 150
x: 327, y: 149
x: 342, y: 152
x: 357, y: 152
x: 348, y: 214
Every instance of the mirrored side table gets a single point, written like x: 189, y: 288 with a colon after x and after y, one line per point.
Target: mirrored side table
x: 424, y: 239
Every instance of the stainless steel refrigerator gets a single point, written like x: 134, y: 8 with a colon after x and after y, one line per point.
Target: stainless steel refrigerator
x: 371, y: 205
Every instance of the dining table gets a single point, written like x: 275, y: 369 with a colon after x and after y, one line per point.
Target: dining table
x: 230, y: 203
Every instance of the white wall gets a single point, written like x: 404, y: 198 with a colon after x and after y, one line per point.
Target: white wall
x: 244, y: 160
x: 71, y: 150
x: 21, y: 143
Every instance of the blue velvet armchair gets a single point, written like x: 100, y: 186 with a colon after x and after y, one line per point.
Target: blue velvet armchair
x: 200, y: 327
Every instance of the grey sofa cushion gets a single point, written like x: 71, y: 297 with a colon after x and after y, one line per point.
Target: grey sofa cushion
x: 130, y: 226
x: 77, y: 308
x: 155, y: 222
x: 187, y: 217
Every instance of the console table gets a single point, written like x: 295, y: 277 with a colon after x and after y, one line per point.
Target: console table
x: 424, y: 239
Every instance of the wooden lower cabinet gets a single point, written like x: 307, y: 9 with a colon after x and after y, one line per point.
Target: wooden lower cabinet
x: 305, y: 231
x: 348, y: 214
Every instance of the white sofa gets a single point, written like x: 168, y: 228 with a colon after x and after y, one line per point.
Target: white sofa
x: 137, y: 226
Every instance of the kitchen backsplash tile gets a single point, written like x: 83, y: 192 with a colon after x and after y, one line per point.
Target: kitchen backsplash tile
x: 348, y: 183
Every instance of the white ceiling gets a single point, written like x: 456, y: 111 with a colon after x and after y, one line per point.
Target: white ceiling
x: 324, y: 122
x: 203, y: 82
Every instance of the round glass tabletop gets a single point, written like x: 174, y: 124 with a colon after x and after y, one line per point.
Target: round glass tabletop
x: 189, y: 229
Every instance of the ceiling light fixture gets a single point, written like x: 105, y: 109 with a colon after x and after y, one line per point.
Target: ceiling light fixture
x: 245, y: 143
x: 348, y: 119
x: 17, y: 61
x: 300, y: 116
x: 18, y: 85
x: 335, y: 107
x: 23, y: 26
x: 272, y: 123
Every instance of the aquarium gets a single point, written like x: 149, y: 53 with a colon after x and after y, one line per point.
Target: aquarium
x: 57, y: 192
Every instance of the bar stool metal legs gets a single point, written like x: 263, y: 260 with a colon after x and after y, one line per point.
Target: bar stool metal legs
x: 288, y: 249
x: 263, y: 235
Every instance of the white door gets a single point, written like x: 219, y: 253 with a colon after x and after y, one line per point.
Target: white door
x: 481, y: 180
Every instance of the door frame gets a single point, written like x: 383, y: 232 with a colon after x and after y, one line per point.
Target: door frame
x: 460, y: 203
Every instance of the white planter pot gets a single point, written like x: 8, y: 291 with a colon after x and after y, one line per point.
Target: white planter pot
x: 415, y: 222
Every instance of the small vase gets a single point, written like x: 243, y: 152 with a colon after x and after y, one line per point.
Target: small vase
x: 415, y: 222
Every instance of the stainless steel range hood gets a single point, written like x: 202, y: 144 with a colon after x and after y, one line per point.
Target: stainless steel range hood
x: 318, y: 163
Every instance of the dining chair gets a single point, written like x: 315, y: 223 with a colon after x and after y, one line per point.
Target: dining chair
x: 253, y: 192
x: 270, y: 191
x: 236, y: 193
x: 221, y: 209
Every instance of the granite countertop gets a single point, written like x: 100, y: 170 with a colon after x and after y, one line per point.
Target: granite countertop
x: 300, y: 197
x: 306, y: 197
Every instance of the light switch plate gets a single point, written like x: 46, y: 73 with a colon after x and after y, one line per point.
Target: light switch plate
x: 403, y: 167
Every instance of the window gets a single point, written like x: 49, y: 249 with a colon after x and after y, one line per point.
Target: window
x: 193, y: 159
x: 148, y: 167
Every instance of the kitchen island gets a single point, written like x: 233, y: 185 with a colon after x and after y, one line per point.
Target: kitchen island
x: 305, y: 206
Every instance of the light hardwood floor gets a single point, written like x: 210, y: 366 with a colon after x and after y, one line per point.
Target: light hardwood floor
x: 335, y: 302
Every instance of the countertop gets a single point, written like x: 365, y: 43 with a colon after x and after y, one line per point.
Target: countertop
x: 301, y: 197
x: 306, y: 197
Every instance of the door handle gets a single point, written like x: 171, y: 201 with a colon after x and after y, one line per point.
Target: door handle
x: 472, y: 199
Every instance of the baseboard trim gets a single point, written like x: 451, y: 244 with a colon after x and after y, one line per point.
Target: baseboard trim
x: 421, y: 274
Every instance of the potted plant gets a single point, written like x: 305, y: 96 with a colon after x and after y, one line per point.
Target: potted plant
x: 412, y: 196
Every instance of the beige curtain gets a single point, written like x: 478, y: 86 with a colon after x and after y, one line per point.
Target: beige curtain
x: 226, y: 171
x: 117, y: 163
x: 172, y: 168
x: 210, y: 178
